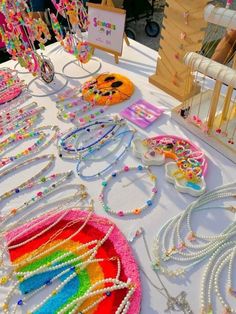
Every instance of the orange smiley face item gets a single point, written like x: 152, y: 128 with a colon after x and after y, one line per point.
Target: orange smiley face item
x: 108, y: 89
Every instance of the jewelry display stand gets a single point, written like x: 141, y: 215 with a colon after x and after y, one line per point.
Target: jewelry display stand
x: 183, y: 31
x: 211, y: 114
x: 81, y: 70
x: 38, y: 88
x: 17, y: 65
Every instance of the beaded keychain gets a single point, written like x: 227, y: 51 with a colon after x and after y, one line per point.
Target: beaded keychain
x: 191, y: 248
x: 136, y: 211
x: 189, y: 165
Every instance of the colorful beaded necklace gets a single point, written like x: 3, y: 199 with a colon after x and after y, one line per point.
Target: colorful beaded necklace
x: 136, y: 211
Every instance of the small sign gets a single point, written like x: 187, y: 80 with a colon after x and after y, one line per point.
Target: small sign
x: 106, y: 28
x: 142, y: 113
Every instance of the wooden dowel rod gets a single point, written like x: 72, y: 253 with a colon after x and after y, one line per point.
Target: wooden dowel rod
x: 213, y: 105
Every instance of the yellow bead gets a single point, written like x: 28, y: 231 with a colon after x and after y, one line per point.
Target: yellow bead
x: 3, y: 280
x: 5, y: 306
x: 54, y: 292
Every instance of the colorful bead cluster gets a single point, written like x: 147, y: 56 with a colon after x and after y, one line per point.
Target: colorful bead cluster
x: 10, y: 85
x: 19, y: 35
x: 76, y: 15
x: 114, y: 175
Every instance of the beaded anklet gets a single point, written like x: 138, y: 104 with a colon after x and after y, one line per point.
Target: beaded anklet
x: 136, y: 211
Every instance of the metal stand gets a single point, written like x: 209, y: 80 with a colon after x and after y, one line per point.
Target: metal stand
x: 78, y: 70
x: 39, y: 88
x: 18, y: 71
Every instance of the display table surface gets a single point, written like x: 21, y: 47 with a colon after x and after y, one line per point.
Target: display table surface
x: 138, y: 63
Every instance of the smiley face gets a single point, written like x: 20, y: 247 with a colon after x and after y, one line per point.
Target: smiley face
x: 108, y: 89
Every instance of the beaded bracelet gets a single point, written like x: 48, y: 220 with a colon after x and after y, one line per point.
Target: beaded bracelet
x: 135, y: 211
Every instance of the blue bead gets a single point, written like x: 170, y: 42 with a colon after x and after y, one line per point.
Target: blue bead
x: 20, y: 302
x: 114, y: 174
x: 17, y: 190
x: 48, y: 282
x: 149, y: 202
x: 108, y: 293
x: 140, y: 167
x: 72, y: 268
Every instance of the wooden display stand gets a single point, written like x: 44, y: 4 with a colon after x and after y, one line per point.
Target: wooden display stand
x: 183, y: 31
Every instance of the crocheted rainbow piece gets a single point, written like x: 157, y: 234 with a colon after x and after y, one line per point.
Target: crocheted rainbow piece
x: 48, y: 243
x: 188, y: 168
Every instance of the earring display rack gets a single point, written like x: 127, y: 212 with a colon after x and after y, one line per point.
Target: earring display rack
x: 183, y: 31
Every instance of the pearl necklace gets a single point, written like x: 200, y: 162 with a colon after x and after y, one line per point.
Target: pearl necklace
x: 79, y: 264
x: 78, y: 196
x: 186, y: 250
x: 33, y: 149
x: 135, y: 211
x: 223, y: 257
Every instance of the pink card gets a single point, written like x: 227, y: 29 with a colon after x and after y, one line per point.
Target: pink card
x: 142, y: 113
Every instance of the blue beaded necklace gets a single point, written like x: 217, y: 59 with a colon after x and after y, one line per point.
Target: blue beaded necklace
x: 115, y: 160
x: 112, y: 124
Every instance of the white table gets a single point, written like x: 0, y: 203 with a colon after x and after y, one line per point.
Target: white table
x: 138, y: 63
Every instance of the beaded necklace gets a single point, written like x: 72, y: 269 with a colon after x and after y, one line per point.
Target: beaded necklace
x: 136, y: 211
x: 67, y: 144
x: 78, y: 196
x: 33, y: 149
x: 22, y: 125
x: 188, y: 250
x: 8, y: 115
x: 36, y: 179
x: 68, y: 266
x: 57, y: 179
x: 121, y: 138
x: 223, y: 257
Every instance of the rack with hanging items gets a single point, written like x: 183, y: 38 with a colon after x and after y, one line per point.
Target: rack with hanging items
x: 211, y: 114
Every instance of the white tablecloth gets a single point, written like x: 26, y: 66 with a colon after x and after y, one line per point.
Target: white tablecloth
x: 138, y: 63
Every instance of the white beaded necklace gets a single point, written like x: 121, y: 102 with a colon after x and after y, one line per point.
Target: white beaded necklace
x: 185, y: 250
x: 223, y: 257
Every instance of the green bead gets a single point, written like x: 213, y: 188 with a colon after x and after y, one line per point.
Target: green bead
x: 104, y: 183
x: 106, y: 208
